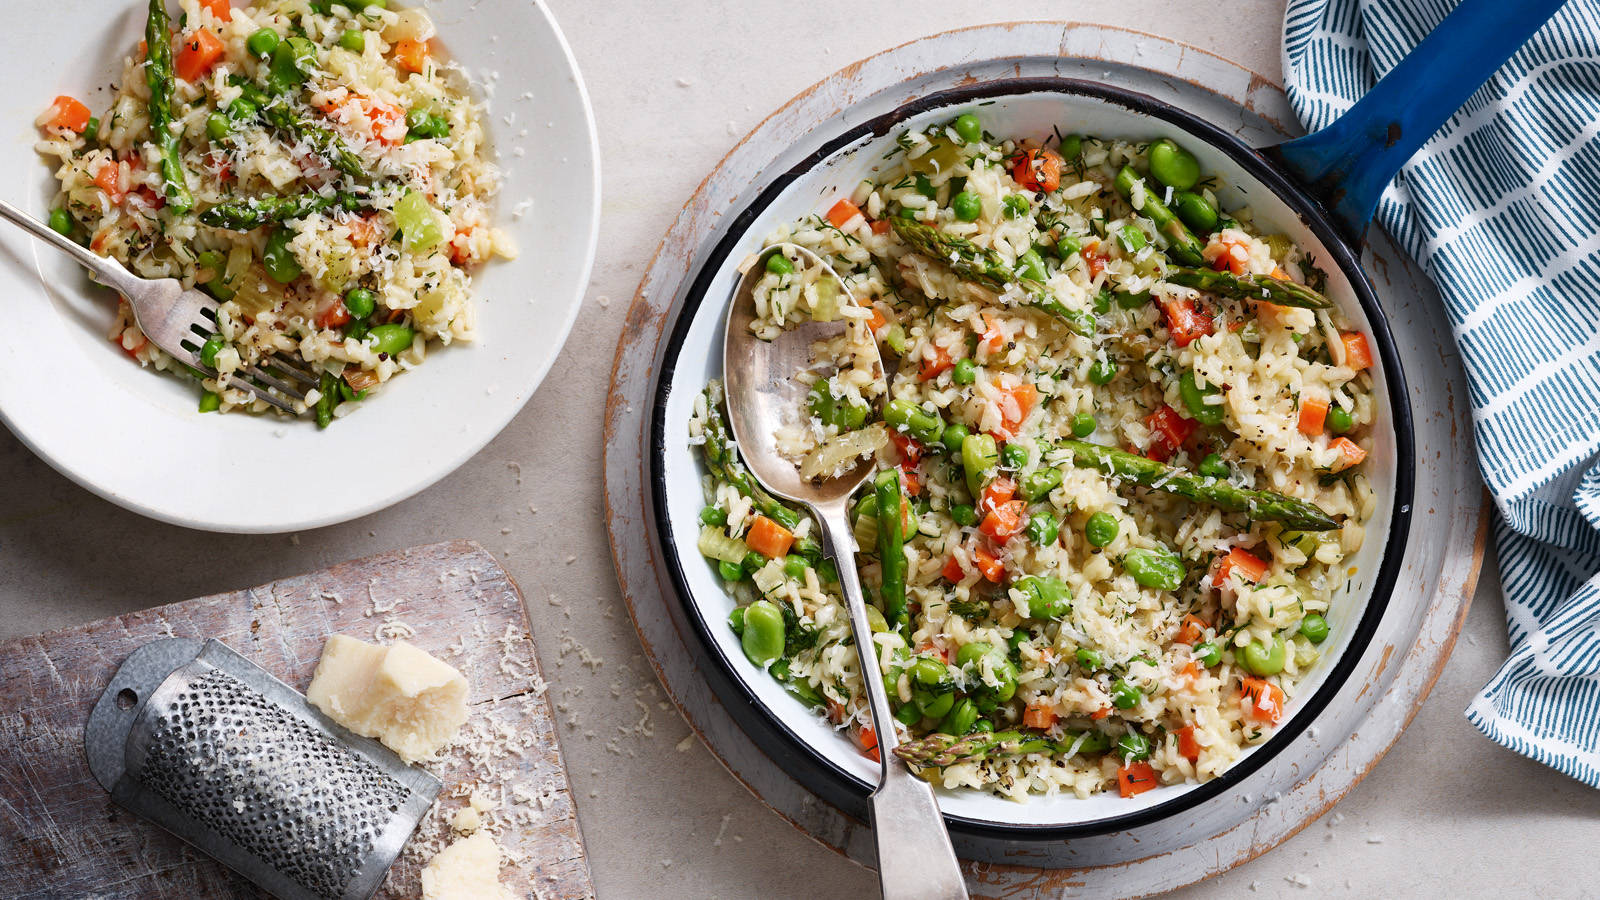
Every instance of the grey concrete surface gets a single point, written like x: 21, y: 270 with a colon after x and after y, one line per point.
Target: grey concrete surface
x: 1447, y: 813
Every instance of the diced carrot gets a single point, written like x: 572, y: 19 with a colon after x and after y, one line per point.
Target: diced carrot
x: 1191, y: 671
x: 1185, y: 321
x: 1247, y: 565
x: 842, y: 212
x: 1015, y: 405
x: 221, y: 10
x: 1357, y: 353
x: 121, y: 341
x: 836, y: 711
x: 1136, y: 778
x: 411, y: 55
x: 880, y: 227
x: 953, y: 572
x: 1188, y: 747
x: 66, y: 112
x: 1040, y: 714
x: 1037, y: 169
x: 992, y: 339
x: 386, y: 120
x: 199, y: 51
x: 363, y: 231
x: 109, y: 179
x: 937, y: 364
x: 1192, y: 629
x: 989, y: 564
x: 867, y: 740
x: 768, y: 538
x: 1313, y: 412
x: 1171, y: 429
x: 333, y: 314
x: 1100, y: 713
x: 929, y: 648
x: 910, y: 448
x: 995, y: 493
x: 913, y: 483
x: 1350, y: 454
x: 877, y: 321
x: 1004, y: 522
x: 1093, y: 259
x: 1263, y: 700
x: 1230, y: 256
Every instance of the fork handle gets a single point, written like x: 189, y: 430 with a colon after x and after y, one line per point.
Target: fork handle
x: 107, y: 271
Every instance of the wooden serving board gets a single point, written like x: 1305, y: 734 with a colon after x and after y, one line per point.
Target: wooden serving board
x: 61, y: 836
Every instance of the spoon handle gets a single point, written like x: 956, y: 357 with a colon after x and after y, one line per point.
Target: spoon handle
x: 915, y: 859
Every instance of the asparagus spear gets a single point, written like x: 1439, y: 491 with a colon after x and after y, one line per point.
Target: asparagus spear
x: 939, y: 749
x: 891, y: 547
x: 243, y: 215
x: 1258, y: 505
x: 158, y: 75
x: 984, y: 267
x: 723, y: 461
x: 1279, y: 291
x: 323, y: 140
x: 1182, y: 245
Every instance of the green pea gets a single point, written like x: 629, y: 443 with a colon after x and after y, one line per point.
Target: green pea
x: 1132, y: 238
x: 906, y: 416
x: 1213, y: 467
x: 210, y: 402
x: 1071, y: 146
x: 730, y: 571
x: 795, y: 566
x: 964, y: 515
x: 713, y: 515
x: 1208, y: 653
x: 1173, y: 166
x: 1264, y: 659
x: 908, y: 714
x: 218, y: 126
x: 934, y: 705
x: 983, y: 726
x: 1314, y: 627
x: 360, y: 302
x: 1030, y: 266
x: 979, y: 457
x: 753, y: 561
x: 967, y: 206
x: 1013, y: 456
x: 1125, y: 695
x: 1038, y: 484
x: 262, y: 42
x: 1015, y: 206
x: 1048, y: 596
x: 778, y: 264
x: 736, y: 620
x: 968, y: 128
x: 1133, y: 746
x: 1198, y: 400
x: 438, y: 126
x: 1043, y: 529
x: 1339, y: 419
x: 1089, y: 659
x: 1103, y: 371
x: 965, y: 371
x: 930, y: 673
x: 1066, y: 245
x: 1159, y: 569
x: 961, y: 718
x: 278, y: 259
x: 954, y: 436
x: 763, y: 632
x: 392, y: 338
x: 1101, y: 529
x: 1195, y: 211
x: 61, y: 221
x: 210, y: 349
x: 354, y: 40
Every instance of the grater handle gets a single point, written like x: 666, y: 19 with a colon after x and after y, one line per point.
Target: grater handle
x: 105, y: 737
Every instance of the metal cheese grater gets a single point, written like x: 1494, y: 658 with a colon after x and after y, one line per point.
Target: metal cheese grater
x: 206, y: 744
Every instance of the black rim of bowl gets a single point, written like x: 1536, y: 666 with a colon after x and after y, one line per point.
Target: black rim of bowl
x: 804, y: 762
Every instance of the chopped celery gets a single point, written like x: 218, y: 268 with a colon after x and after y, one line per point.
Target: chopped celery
x: 715, y: 544
x: 419, y: 226
x: 825, y: 308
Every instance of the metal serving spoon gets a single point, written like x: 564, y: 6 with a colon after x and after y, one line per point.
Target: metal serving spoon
x: 915, y: 859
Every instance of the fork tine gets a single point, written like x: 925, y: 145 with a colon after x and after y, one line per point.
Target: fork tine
x: 284, y: 366
x: 264, y: 394
x: 274, y: 383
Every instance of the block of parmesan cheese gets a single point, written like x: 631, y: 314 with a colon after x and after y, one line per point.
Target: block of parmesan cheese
x: 398, y: 694
x: 468, y: 869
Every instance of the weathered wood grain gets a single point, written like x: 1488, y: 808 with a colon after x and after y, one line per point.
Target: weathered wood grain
x: 60, y: 835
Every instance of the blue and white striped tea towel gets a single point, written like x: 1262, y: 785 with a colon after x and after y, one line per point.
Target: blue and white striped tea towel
x: 1502, y: 210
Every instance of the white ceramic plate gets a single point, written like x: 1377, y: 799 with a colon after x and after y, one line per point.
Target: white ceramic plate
x: 134, y: 436
x: 693, y: 356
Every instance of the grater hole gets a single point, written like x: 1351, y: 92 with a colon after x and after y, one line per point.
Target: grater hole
x: 126, y: 698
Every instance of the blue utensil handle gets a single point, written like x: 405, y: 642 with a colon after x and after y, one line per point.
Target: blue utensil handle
x: 1348, y: 164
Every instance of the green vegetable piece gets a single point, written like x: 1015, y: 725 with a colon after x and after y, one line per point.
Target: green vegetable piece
x: 1043, y: 528
x: 1195, y: 211
x: 909, y: 418
x: 714, y: 516
x: 262, y: 42
x: 1339, y: 419
x: 968, y: 128
x: 419, y: 227
x: 834, y: 411
x: 988, y: 696
x: 91, y: 129
x: 1125, y: 695
x: 1132, y: 238
x: 979, y: 457
x: 753, y: 562
x: 908, y: 714
x: 327, y: 399
x: 964, y: 515
x: 876, y: 622
x: 730, y: 571
x: 210, y: 402
x: 891, y: 546
x: 210, y: 349
x: 930, y: 673
x: 736, y: 620
x: 1071, y: 146
x: 360, y: 302
x: 280, y: 116
x: 1048, y: 596
x: 1015, y: 206
x: 1198, y: 400
x: 795, y: 566
x: 61, y: 222
x: 1030, y: 265
x: 1277, y: 291
x: 934, y: 706
x: 1038, y: 484
x: 243, y: 215
x: 1159, y: 569
x: 1208, y: 653
x: 967, y: 206
x: 1264, y: 659
x: 159, y: 78
x: 1101, y: 529
x: 965, y: 371
x: 354, y: 40
x: 1103, y: 371
x: 1314, y: 627
x: 1013, y: 456
x: 954, y: 436
x: 218, y: 126
x: 278, y: 259
x: 1133, y: 746
x: 1173, y: 166
x: 1213, y: 467
x: 961, y: 718
x: 1066, y: 245
x: 778, y: 264
x: 392, y: 338
x: 1182, y: 245
x: 763, y: 633
x: 1083, y: 424
x: 1089, y: 659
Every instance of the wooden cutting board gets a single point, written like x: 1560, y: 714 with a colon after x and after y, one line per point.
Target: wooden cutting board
x: 61, y: 836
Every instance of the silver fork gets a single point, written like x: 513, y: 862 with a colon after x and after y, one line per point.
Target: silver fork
x: 176, y: 320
